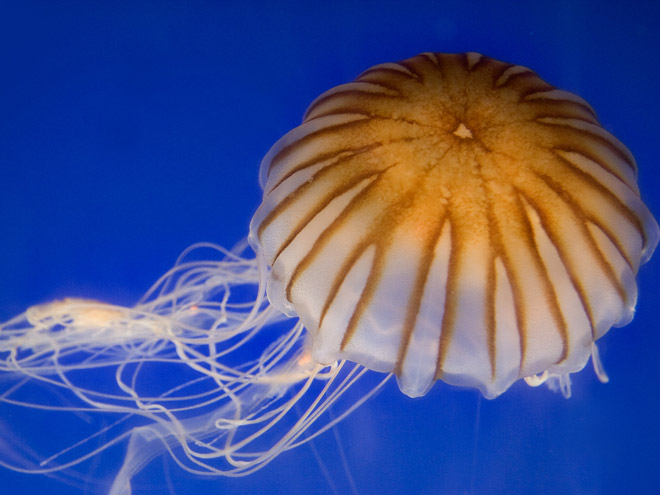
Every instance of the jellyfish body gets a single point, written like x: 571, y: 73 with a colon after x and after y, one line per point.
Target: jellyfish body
x: 446, y: 217
x: 453, y: 217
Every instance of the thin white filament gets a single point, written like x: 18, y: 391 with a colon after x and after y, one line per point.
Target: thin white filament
x: 201, y: 367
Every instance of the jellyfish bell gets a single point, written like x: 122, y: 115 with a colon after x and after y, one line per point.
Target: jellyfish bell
x: 445, y: 217
x: 453, y: 217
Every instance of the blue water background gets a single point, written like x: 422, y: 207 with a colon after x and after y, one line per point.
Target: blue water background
x: 129, y: 130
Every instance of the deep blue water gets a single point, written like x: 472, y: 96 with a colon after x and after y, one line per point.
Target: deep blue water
x: 130, y: 130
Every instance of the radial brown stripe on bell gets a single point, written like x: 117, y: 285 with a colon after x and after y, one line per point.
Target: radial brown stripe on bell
x: 531, y: 281
x: 550, y: 300
x: 426, y: 258
x: 365, y: 298
x: 490, y: 321
x: 325, y: 142
x: 361, y: 182
x: 330, y: 159
x: 570, y: 239
x: 391, y: 76
x: 596, y: 253
x: 452, y: 297
x: 589, y: 162
x: 347, y: 264
x: 556, y: 98
x: 350, y: 212
x: 326, y: 134
x: 586, y: 134
x: 499, y: 252
x: 408, y: 215
x: 315, y: 193
x: 559, y: 109
x: 520, y: 81
x: 358, y: 97
x: 598, y: 204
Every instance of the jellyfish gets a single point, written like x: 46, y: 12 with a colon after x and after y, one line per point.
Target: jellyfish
x: 447, y: 217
